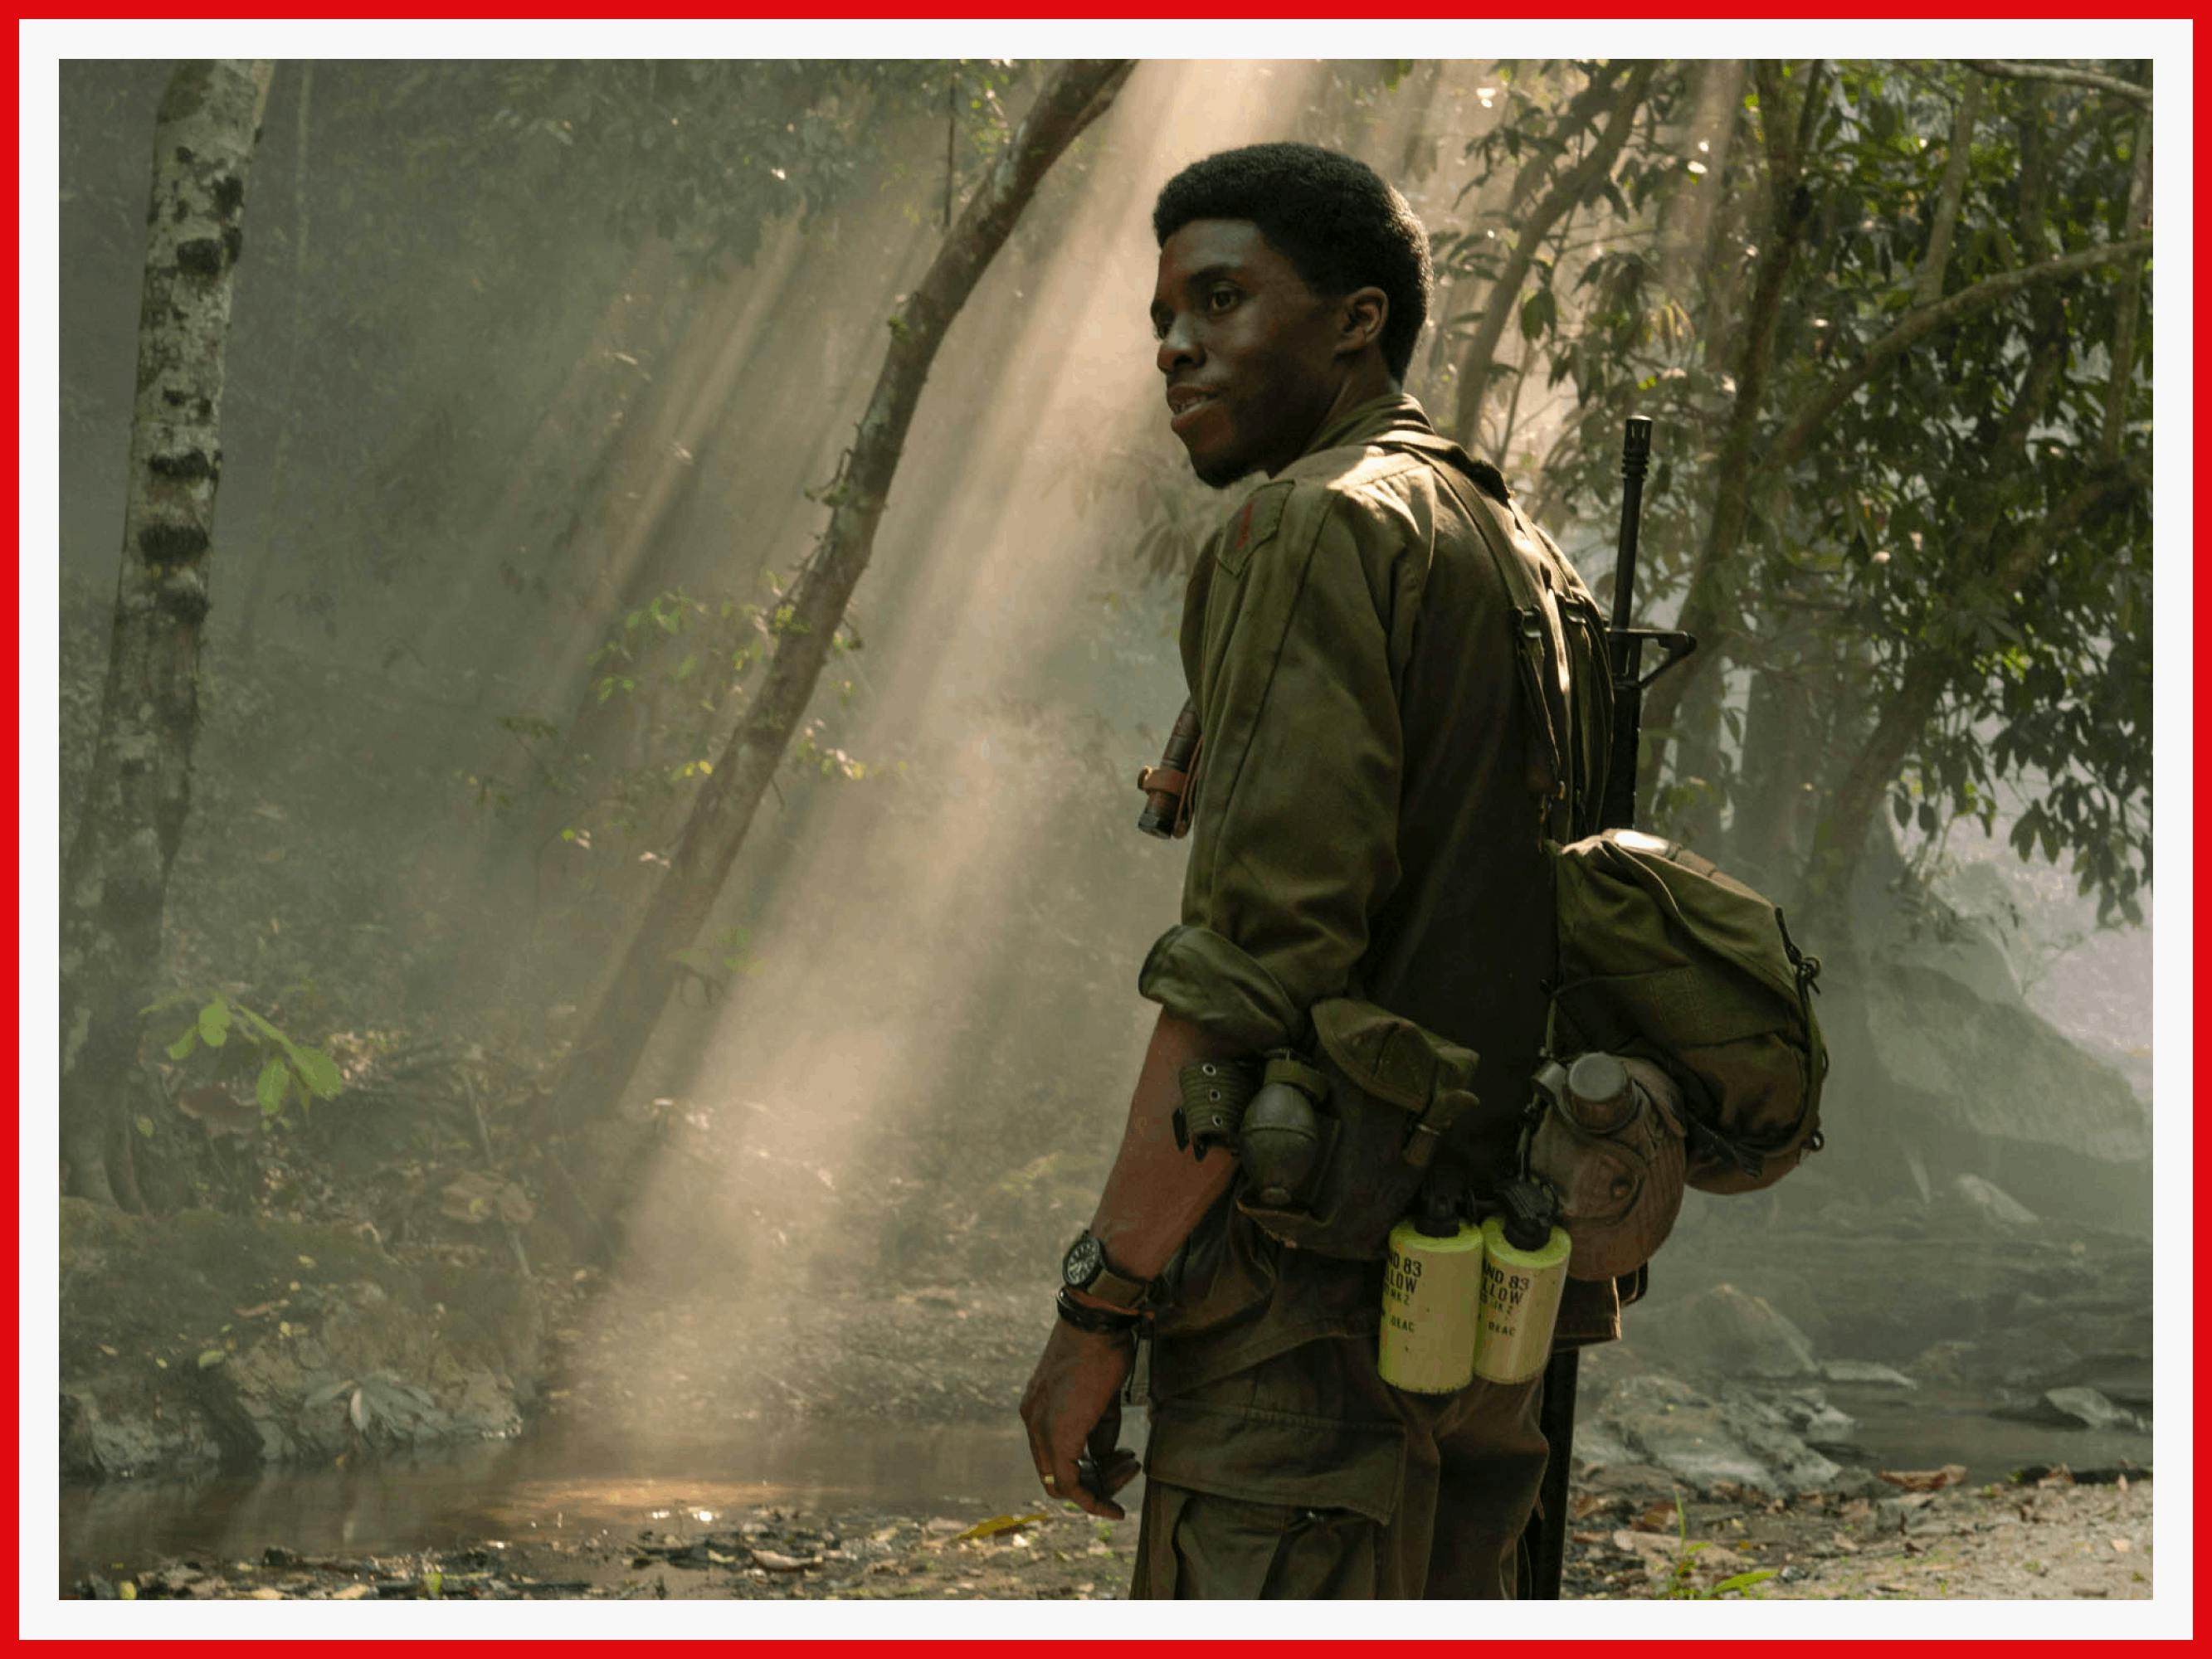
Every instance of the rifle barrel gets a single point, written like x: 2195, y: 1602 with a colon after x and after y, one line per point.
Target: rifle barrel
x: 1635, y: 460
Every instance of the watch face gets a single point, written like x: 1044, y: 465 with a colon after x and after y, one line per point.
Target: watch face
x: 1082, y: 1262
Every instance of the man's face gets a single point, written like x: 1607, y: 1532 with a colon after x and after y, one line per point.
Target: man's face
x: 1248, y: 351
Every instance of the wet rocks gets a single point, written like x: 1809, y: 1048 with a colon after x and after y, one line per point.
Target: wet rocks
x: 200, y: 1339
x: 1740, y: 1440
x: 1726, y: 1331
x: 2075, y: 1409
x: 1992, y: 1201
x: 1865, y: 1373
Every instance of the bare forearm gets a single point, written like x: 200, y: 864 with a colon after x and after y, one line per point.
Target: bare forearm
x: 1155, y: 1193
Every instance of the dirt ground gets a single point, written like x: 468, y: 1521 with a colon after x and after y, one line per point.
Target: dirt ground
x: 2048, y: 1538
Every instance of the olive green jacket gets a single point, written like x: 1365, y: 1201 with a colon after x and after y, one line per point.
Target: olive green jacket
x: 1363, y: 824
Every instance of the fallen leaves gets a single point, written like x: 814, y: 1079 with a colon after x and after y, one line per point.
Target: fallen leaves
x: 475, y: 1196
x: 996, y: 1525
x: 1925, y: 1479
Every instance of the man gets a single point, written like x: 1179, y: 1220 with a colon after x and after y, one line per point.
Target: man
x: 1367, y: 825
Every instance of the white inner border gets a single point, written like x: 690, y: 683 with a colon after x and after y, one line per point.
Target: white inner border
x: 45, y: 44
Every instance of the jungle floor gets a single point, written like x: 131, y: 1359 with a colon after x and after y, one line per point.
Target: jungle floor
x: 2050, y: 1538
x: 868, y: 1471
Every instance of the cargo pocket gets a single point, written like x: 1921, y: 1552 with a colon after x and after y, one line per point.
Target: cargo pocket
x: 1220, y: 1549
x: 1246, y: 1504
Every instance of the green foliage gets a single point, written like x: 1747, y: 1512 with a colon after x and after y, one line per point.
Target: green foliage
x: 1905, y: 544
x: 283, y: 1070
x: 675, y: 672
x: 1681, y: 1583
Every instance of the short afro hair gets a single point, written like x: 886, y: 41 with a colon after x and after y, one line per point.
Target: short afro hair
x: 1337, y: 223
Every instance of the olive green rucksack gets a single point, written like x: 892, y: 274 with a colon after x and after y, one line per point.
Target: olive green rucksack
x: 1664, y: 957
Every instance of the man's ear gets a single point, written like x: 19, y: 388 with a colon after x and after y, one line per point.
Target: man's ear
x: 1362, y: 314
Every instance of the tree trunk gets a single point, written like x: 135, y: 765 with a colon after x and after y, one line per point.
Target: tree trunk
x: 1906, y: 713
x: 115, y: 877
x: 2130, y: 318
x: 614, y: 1039
x: 1566, y: 192
x: 1707, y: 605
x: 1690, y: 215
x: 264, y: 569
x: 1928, y: 287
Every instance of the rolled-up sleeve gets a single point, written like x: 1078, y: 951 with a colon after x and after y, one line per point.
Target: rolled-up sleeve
x: 1294, y: 835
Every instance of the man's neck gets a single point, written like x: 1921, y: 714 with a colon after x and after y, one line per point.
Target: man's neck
x: 1366, y: 384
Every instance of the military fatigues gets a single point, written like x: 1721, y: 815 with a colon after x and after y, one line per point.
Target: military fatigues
x: 1364, y: 827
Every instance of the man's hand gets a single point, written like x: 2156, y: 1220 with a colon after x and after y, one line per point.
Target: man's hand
x: 1073, y: 1405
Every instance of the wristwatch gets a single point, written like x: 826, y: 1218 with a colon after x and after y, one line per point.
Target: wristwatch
x: 1085, y: 1268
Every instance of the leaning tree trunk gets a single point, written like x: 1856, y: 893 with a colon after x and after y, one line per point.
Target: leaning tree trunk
x: 614, y: 1040
x: 115, y: 877
x: 1567, y: 192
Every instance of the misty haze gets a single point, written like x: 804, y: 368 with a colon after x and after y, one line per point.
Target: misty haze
x: 602, y: 897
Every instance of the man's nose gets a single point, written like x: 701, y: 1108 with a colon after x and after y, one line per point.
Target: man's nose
x: 1178, y: 349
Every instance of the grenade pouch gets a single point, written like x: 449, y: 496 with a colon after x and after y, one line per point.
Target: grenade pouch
x: 1385, y: 1092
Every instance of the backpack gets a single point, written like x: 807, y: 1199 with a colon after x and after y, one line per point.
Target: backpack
x: 1665, y: 957
x: 1662, y: 956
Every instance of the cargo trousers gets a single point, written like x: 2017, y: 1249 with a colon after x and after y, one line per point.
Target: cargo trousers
x: 1308, y: 1476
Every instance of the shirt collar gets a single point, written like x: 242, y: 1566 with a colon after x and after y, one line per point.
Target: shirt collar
x: 1370, y: 420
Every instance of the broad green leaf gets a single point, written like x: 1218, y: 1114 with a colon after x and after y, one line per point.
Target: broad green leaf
x: 214, y: 1024
x: 184, y: 1045
x: 320, y: 1071
x: 1738, y: 1582
x: 269, y: 1088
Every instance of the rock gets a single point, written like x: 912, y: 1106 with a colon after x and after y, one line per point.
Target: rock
x: 1705, y: 1443
x: 1993, y: 1201
x: 1855, y: 1483
x: 1866, y: 1372
x: 1698, y: 1449
x: 1806, y: 1412
x: 1984, y: 1083
x: 339, y: 1344
x: 2088, y: 1409
x: 1598, y: 1447
x: 1725, y: 1330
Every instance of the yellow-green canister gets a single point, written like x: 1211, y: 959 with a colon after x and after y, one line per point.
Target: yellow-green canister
x: 1524, y: 1272
x: 1431, y: 1304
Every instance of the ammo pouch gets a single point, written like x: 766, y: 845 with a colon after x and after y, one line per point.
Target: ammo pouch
x: 1393, y: 1089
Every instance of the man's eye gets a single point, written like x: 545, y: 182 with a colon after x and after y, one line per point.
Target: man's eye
x: 1221, y: 298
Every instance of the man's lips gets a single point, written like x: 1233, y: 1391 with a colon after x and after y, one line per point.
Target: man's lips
x: 1186, y: 402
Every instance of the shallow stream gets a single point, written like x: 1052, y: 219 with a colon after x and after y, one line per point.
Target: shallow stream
x: 563, y: 1484
x: 557, y: 1484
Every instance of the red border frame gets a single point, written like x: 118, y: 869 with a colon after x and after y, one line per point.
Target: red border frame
x: 987, y: 10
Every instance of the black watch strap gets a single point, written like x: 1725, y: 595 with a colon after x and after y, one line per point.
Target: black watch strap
x: 1087, y: 1268
x: 1098, y: 1321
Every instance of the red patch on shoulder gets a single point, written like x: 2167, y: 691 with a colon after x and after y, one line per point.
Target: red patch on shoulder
x: 1244, y: 526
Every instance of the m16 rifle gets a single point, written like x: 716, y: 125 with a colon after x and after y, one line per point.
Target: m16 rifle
x: 1545, y: 1538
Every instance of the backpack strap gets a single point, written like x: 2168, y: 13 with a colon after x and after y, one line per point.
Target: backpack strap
x: 1557, y: 767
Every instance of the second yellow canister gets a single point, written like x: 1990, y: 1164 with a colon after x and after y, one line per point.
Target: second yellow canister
x: 1521, y: 1292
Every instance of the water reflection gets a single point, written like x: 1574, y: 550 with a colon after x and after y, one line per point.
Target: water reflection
x: 559, y: 1483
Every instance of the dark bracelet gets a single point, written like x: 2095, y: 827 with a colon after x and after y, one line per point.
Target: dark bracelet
x: 1098, y: 1321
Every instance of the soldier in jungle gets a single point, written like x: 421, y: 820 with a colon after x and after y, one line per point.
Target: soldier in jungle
x: 1362, y: 827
